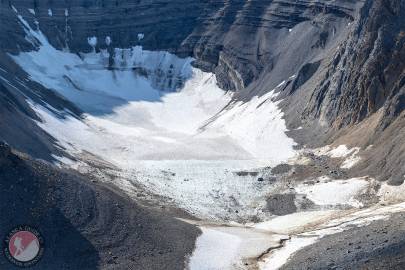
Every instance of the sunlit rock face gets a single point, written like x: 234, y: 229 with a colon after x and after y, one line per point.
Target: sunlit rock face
x: 365, y: 81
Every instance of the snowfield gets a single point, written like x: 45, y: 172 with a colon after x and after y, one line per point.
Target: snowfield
x: 164, y: 124
x: 336, y: 192
x: 224, y: 248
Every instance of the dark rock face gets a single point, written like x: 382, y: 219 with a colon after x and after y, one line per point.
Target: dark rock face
x: 365, y: 78
x: 305, y: 73
x: 86, y: 225
x: 367, y: 72
x: 246, y: 39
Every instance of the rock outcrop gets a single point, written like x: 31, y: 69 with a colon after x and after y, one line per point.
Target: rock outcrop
x: 367, y: 72
x: 236, y: 39
x: 363, y: 82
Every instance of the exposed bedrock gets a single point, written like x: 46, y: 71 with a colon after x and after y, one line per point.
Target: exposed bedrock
x: 236, y: 39
x: 360, y: 90
x: 367, y: 71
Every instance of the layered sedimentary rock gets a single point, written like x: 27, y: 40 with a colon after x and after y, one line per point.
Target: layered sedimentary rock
x: 364, y: 84
x: 367, y: 72
x: 236, y: 39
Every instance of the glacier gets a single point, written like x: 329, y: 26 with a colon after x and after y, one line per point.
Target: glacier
x: 163, y: 124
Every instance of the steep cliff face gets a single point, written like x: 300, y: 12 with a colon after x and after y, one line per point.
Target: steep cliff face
x: 243, y: 40
x: 361, y: 86
x: 236, y: 39
x: 367, y: 72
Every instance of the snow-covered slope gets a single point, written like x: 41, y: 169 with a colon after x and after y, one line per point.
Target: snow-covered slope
x: 165, y: 124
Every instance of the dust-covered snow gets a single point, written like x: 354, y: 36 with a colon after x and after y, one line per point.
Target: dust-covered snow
x: 294, y: 222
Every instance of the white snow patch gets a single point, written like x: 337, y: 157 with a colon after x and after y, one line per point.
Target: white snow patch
x: 350, y: 161
x: 50, y: 13
x: 342, y: 151
x: 31, y: 11
x: 258, y: 126
x: 281, y: 84
x: 141, y: 36
x: 226, y: 248
x: 214, y: 250
x: 391, y: 194
x: 335, y: 192
x: 66, y: 12
x: 92, y: 41
x: 63, y: 161
x: 108, y: 40
x: 14, y: 9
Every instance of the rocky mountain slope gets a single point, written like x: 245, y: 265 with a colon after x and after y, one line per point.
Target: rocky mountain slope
x: 361, y: 87
x: 236, y: 39
x: 332, y: 69
x: 86, y: 225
